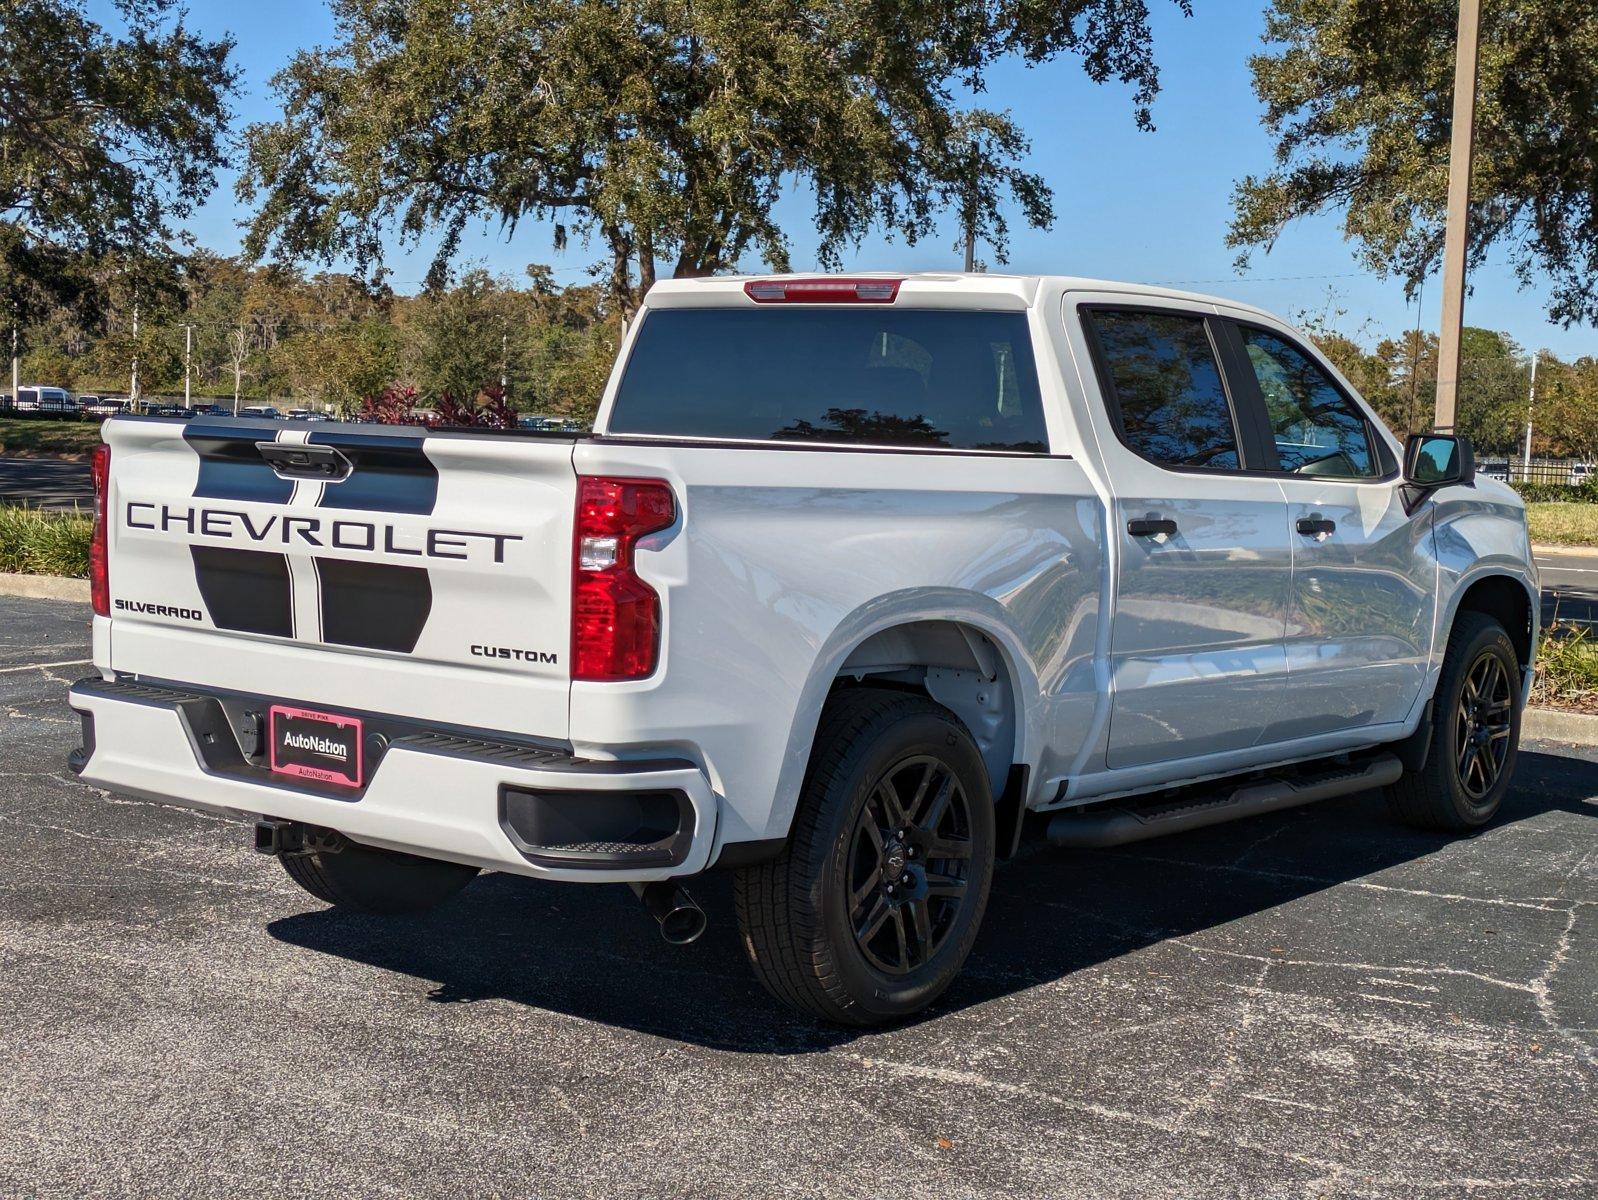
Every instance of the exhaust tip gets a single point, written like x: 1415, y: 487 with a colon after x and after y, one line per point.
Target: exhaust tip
x: 680, y: 919
x: 683, y: 925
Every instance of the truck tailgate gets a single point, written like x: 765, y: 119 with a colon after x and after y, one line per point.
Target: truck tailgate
x: 379, y: 569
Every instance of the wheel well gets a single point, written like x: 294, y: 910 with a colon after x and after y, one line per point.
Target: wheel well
x: 1505, y: 601
x: 958, y: 666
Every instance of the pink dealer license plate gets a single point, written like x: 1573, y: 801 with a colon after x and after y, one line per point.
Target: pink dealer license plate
x: 315, y: 745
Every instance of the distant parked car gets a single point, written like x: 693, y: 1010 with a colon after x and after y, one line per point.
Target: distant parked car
x: 1495, y: 469
x: 38, y: 398
x: 213, y: 410
x: 1580, y: 473
x: 260, y: 410
x: 102, y: 406
x: 171, y: 410
x: 307, y: 414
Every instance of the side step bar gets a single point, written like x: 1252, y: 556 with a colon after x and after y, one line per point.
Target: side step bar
x: 1116, y: 826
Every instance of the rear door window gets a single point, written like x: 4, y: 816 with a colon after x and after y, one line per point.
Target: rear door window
x: 1165, y: 387
x: 951, y: 379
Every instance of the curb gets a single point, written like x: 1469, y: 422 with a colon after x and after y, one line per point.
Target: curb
x: 44, y: 587
x: 1556, y: 725
x: 1570, y: 551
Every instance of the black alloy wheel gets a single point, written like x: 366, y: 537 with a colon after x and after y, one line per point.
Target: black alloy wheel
x: 1483, y: 725
x: 909, y: 862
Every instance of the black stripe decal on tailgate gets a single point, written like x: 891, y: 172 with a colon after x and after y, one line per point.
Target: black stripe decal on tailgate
x: 389, y: 473
x: 373, y: 605
x: 231, y: 468
x: 245, y: 590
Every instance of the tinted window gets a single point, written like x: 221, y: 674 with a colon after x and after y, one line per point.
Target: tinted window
x: 873, y: 376
x: 1168, y: 389
x: 1318, y: 431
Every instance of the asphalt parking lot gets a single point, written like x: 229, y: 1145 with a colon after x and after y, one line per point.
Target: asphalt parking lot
x: 46, y: 483
x: 1317, y: 1003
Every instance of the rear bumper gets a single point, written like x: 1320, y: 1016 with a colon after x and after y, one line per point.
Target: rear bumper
x: 488, y: 803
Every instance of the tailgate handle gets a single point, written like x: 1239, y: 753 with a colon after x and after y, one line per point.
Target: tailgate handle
x: 296, y: 460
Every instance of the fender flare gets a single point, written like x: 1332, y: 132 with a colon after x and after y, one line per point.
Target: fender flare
x: 1492, y: 568
x: 982, y: 613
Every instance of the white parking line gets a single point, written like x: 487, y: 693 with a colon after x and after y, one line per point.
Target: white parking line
x: 71, y: 662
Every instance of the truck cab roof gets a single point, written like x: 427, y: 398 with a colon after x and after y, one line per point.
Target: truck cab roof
x: 938, y: 289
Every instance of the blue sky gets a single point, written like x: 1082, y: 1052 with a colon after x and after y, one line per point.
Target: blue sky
x: 1150, y: 207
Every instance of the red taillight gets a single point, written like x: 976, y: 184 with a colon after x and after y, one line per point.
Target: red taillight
x: 823, y: 291
x: 615, y: 614
x: 99, y: 572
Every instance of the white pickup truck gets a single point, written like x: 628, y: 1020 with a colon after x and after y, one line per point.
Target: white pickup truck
x: 852, y: 576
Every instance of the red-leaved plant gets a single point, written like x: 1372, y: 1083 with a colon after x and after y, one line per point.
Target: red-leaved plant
x: 394, y: 407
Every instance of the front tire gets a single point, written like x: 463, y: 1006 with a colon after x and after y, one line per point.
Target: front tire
x: 369, y: 880
x: 872, y: 908
x: 1475, y: 733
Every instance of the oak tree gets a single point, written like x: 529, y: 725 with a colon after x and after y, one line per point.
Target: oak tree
x: 1358, y: 96
x: 665, y: 129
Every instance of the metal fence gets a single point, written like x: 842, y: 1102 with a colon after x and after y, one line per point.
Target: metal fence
x: 1558, y: 472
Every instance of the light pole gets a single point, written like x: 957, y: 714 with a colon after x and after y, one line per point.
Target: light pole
x: 1462, y: 146
x: 188, y: 350
x: 1531, y: 403
x: 133, y: 382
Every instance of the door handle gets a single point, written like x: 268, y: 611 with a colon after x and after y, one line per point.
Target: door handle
x: 1316, y: 526
x: 1151, y: 527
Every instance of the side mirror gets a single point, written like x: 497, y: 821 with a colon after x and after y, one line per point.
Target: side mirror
x: 1434, y: 460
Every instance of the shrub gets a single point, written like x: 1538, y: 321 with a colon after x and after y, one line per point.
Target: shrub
x: 1553, y: 493
x: 1567, y: 668
x: 35, y: 542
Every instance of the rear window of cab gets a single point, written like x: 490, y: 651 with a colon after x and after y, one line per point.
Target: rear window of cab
x: 939, y: 378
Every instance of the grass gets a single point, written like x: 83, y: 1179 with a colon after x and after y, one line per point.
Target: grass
x: 1563, y: 523
x: 35, y: 542
x: 31, y: 438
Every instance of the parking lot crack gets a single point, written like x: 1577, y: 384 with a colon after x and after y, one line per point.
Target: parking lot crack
x: 1013, y: 1091
x: 1284, y: 961
x: 1542, y: 990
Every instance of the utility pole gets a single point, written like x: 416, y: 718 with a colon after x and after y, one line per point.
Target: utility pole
x: 188, y: 350
x: 16, y: 360
x: 1462, y: 147
x: 1414, y: 361
x: 133, y: 388
x: 1531, y: 403
x: 504, y: 364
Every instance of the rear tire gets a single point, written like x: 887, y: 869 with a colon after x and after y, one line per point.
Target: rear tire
x: 871, y: 909
x: 1475, y: 733
x: 367, y: 879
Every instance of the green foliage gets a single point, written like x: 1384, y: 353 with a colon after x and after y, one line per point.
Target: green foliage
x: 1557, y: 494
x: 105, y: 140
x: 1567, y: 394
x: 1399, y: 379
x: 667, y: 129
x: 330, y: 341
x: 34, y: 542
x: 1358, y: 97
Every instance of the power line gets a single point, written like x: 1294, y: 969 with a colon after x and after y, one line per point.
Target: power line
x: 1253, y: 279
